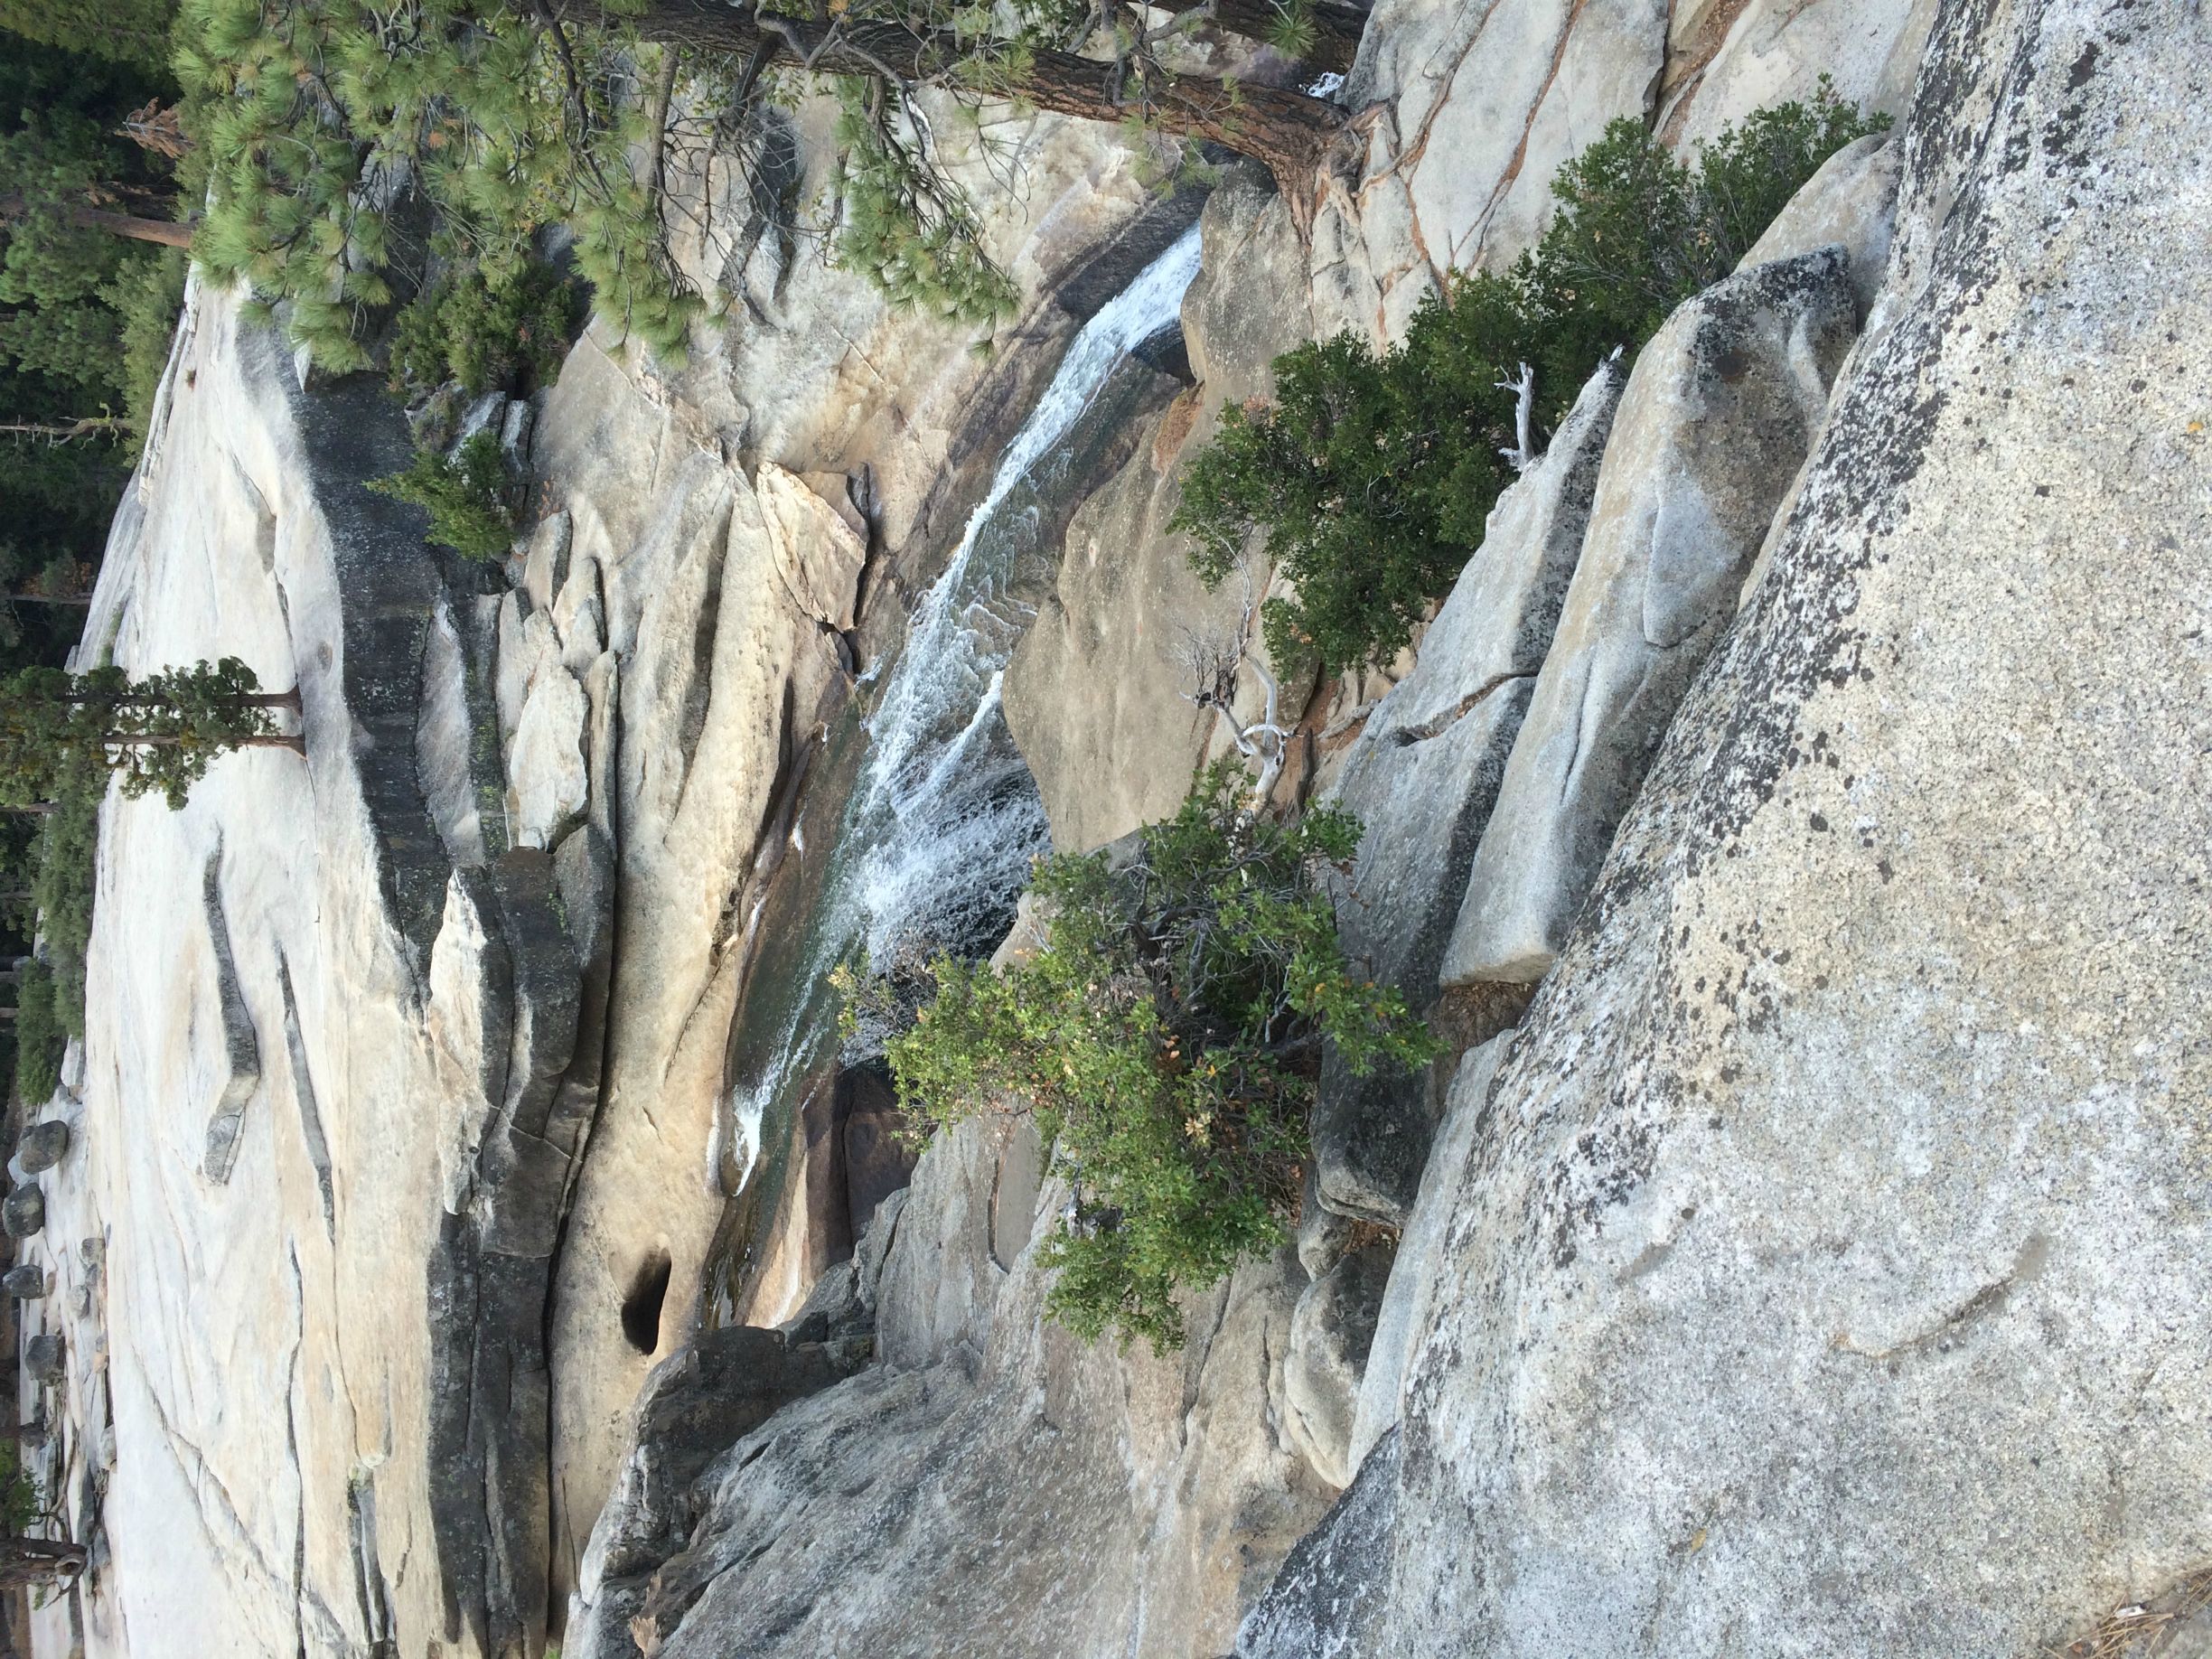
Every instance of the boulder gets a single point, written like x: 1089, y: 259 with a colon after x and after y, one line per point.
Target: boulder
x: 45, y: 1358
x: 546, y: 778
x: 26, y: 1281
x: 544, y: 567
x: 42, y: 1146
x: 1330, y: 1334
x: 24, y: 1211
x: 1717, y: 414
x: 1422, y: 778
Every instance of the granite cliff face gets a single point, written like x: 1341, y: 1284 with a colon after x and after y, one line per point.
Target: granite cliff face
x: 1793, y: 818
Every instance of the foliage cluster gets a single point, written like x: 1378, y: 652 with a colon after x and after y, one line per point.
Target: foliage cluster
x: 912, y: 230
x: 315, y: 114
x: 1372, y: 475
x: 157, y: 734
x: 61, y: 889
x: 135, y: 32
x: 468, y: 495
x: 1167, y: 1037
x: 503, y: 331
x: 84, y: 316
x: 20, y: 1504
x: 39, y: 1033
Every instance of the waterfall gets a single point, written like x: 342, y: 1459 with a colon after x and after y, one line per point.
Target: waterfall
x: 944, y: 820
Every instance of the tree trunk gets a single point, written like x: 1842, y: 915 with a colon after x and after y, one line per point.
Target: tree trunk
x: 37, y: 1561
x: 1286, y: 130
x: 166, y: 231
x: 264, y: 740
x: 64, y: 432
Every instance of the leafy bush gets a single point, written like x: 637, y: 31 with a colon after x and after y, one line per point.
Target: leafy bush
x: 910, y: 231
x: 467, y: 496
x: 1372, y: 475
x: 486, y: 331
x: 1168, y: 1038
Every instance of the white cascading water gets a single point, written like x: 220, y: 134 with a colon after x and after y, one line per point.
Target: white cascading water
x: 944, y: 820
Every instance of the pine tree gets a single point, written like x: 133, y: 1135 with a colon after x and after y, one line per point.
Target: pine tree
x: 132, y: 31
x: 158, y: 734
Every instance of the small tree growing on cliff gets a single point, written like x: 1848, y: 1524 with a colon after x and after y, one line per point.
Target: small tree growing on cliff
x: 1167, y: 1037
x: 1373, y: 473
x: 158, y: 734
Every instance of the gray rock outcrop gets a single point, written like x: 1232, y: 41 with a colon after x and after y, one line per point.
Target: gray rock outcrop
x: 26, y: 1281
x: 1717, y: 417
x: 1328, y: 1600
x: 1849, y: 203
x: 695, y: 1404
x: 1331, y: 1331
x: 1422, y: 778
x: 1418, y: 1276
x: 994, y: 1486
x: 1825, y: 1276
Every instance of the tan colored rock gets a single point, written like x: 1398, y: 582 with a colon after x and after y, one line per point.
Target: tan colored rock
x: 816, y: 549
x: 1332, y: 1330
x: 545, y: 761
x: 1726, y: 60
x: 1096, y: 694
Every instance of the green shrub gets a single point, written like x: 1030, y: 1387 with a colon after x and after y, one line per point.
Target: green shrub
x: 1372, y: 475
x: 1168, y: 1038
x: 467, y: 496
x: 62, y: 891
x: 39, y: 1037
x: 20, y: 1504
x: 486, y: 331
x: 148, y: 294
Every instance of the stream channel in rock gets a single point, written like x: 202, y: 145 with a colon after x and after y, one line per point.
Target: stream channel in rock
x: 922, y: 821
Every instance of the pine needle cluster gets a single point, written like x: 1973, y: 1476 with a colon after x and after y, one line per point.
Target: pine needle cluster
x: 319, y: 116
